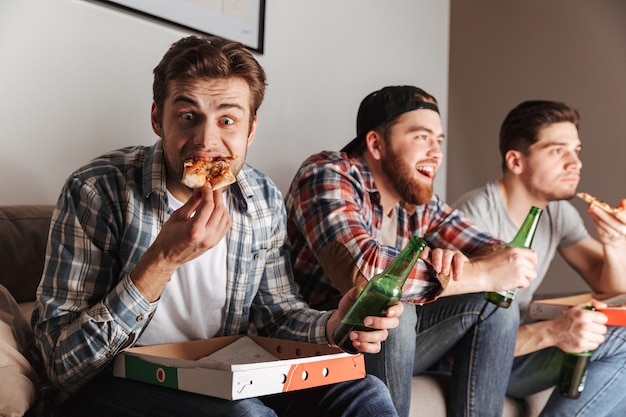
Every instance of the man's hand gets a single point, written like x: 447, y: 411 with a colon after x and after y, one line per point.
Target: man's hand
x: 195, y: 227
x: 445, y: 261
x: 507, y: 268
x: 578, y: 329
x: 611, y: 227
x: 499, y: 270
x: 369, y: 341
x: 189, y: 232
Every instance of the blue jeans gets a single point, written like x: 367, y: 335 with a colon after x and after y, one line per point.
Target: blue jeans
x: 479, y: 334
x: 109, y: 396
x: 604, y: 393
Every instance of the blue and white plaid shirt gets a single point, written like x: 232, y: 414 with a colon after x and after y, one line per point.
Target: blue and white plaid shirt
x: 108, y: 214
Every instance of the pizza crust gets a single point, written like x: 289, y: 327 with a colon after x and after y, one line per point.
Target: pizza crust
x: 604, y: 206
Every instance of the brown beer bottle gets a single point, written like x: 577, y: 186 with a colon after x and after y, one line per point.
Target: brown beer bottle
x: 381, y: 292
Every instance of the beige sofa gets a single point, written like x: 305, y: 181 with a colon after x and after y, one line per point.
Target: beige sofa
x: 428, y: 391
x: 23, y: 236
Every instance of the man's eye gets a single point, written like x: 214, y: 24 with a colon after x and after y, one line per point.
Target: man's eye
x: 188, y: 117
x: 228, y: 121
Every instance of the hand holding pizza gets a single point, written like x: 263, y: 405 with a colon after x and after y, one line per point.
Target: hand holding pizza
x: 195, y: 227
x: 610, y: 221
x: 189, y: 232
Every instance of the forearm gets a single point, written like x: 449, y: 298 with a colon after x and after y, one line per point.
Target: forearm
x: 76, y: 343
x: 612, y: 278
x: 152, y: 273
x: 475, y: 278
x: 533, y: 337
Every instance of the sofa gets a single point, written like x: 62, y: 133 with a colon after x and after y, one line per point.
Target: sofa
x: 23, y: 237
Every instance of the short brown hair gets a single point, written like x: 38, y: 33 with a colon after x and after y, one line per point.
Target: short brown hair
x: 520, y: 128
x: 206, y: 57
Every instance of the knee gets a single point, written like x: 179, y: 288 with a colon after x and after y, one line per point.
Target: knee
x: 507, y: 319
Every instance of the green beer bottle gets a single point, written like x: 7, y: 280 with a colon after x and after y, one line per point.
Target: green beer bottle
x: 523, y: 239
x: 381, y: 292
x: 571, y: 381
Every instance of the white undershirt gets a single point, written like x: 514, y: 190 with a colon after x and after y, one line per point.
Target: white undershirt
x: 389, y: 230
x: 192, y: 304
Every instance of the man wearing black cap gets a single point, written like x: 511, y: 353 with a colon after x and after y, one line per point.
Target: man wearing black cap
x: 351, y: 212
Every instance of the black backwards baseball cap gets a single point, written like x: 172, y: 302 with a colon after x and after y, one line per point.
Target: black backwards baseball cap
x: 384, y: 105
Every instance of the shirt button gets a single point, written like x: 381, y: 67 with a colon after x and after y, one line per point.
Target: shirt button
x: 140, y: 317
x: 256, y: 256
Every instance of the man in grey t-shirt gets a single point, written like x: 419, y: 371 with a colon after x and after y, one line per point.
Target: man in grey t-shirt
x: 540, y: 147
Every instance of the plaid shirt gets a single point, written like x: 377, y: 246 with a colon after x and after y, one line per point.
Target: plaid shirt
x: 108, y: 214
x: 333, y: 201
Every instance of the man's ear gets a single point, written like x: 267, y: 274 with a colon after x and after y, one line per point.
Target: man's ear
x: 514, y: 161
x: 374, y: 144
x: 252, y: 133
x: 155, y: 120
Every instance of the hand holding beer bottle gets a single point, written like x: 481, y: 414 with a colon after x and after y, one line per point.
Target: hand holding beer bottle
x: 382, y: 291
x: 523, y: 239
x: 571, y: 381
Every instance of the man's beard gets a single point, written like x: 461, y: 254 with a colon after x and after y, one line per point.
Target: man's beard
x: 401, y: 175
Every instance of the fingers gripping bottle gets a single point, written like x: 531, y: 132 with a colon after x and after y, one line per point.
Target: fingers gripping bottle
x: 523, y: 239
x: 382, y: 291
x: 571, y: 381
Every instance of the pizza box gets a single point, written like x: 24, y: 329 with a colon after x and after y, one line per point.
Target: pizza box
x: 551, y: 308
x: 240, y: 366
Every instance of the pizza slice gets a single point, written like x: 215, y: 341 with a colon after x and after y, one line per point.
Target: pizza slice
x: 604, y: 206
x: 216, y: 171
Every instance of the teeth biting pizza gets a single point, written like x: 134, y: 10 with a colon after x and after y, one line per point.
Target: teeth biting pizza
x: 216, y: 171
x: 604, y: 206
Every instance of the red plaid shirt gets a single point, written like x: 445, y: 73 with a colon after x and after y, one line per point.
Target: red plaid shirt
x: 333, y: 200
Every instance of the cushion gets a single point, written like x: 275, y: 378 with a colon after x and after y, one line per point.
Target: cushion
x: 23, y: 239
x: 18, y: 380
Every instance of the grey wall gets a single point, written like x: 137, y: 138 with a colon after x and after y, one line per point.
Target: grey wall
x: 75, y: 80
x: 504, y: 52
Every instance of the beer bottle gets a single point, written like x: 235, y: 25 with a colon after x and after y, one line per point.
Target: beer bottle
x: 523, y: 239
x: 382, y: 291
x: 573, y: 372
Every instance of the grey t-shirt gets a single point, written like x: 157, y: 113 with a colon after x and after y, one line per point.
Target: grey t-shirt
x: 560, y: 226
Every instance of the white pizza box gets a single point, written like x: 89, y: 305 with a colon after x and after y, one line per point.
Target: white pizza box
x: 238, y: 370
x: 551, y: 308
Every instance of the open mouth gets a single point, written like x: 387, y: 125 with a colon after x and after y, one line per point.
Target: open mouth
x: 426, y: 171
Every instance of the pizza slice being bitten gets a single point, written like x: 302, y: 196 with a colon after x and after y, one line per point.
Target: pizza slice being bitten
x: 216, y: 171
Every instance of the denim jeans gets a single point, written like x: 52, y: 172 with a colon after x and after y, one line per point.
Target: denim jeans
x: 604, y: 393
x: 109, y: 396
x: 482, y: 338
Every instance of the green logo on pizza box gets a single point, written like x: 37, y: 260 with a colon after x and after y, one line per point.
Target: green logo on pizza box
x: 140, y: 370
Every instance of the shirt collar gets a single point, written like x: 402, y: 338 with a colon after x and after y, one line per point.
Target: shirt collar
x: 154, y: 176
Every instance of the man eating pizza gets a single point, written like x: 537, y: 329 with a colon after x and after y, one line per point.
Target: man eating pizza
x: 541, y: 166
x: 136, y: 257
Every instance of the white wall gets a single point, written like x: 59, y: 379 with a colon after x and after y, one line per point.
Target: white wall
x: 75, y: 80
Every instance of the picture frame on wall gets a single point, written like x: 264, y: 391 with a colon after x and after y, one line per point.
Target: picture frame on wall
x: 238, y: 20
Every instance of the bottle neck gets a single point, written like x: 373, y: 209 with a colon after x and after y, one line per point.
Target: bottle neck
x: 526, y: 233
x: 401, y: 267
